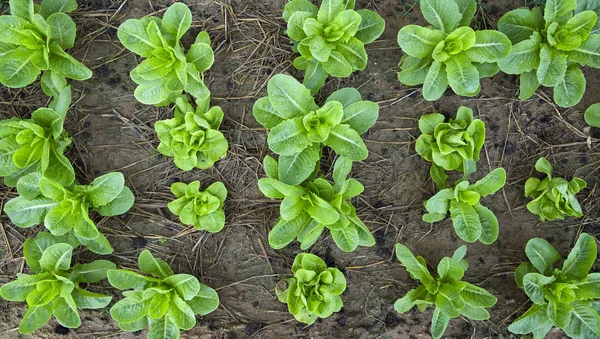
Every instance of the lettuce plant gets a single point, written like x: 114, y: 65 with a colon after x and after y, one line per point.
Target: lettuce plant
x: 167, y: 70
x: 65, y: 209
x: 55, y: 289
x: 450, y: 52
x: 451, y: 145
x: 299, y: 129
x: 331, y: 39
x: 161, y: 300
x: 314, y: 290
x: 592, y: 115
x: 34, y: 39
x: 202, y: 209
x: 549, y: 49
x: 37, y: 144
x: 553, y: 198
x: 450, y: 296
x: 307, y: 210
x: 470, y: 219
x: 192, y: 136
x: 567, y: 298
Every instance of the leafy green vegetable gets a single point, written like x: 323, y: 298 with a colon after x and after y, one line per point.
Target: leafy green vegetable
x: 330, y: 40
x: 202, y: 209
x: 64, y: 209
x: 451, y: 296
x: 161, y: 300
x: 37, y: 144
x: 567, y: 298
x: 192, y: 137
x: 167, y: 70
x: 299, y: 129
x: 470, y: 219
x: 306, y: 210
x: 592, y: 115
x: 34, y: 39
x: 449, y: 53
x: 553, y: 198
x: 450, y: 145
x: 314, y: 290
x: 54, y: 288
x: 549, y: 49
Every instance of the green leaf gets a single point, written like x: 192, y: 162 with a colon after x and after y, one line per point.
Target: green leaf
x: 414, y: 70
x: 544, y: 166
x: 119, y: 205
x: 88, y: 300
x: 354, y: 52
x: 489, y: 225
x: 162, y: 328
x: 524, y: 57
x: 187, y: 286
x: 559, y: 313
x: 130, y: 309
x: 442, y: 14
x: 467, y: 8
x: 205, y: 302
x: 91, y: 272
x: 299, y: 6
x: 559, y: 10
x: 177, y: 20
x: 289, y: 137
x: 463, y: 76
x: 289, y: 97
x: 34, y: 318
x: 439, y: 323
x: 477, y: 296
x: 436, y: 81
x: 450, y: 270
x: 17, y: 68
x: 491, y: 183
x: 419, y: 41
x: 65, y: 311
x: 371, y: 26
x: 533, y: 284
x: 57, y: 258
x: 347, y: 142
x: 54, y: 6
x: 329, y: 10
x: 22, y: 8
x: 361, y: 115
x: 571, y: 89
x: 62, y: 29
x: 337, y: 65
x: 490, y: 46
x: 521, y: 23
x: 412, y: 265
x: 552, y: 68
x: 534, y: 319
x: 106, y: 188
x: 201, y: 55
x: 585, y: 321
x: 150, y: 265
x: 265, y: 114
x: 348, y: 22
x: 592, y: 115
x: 410, y: 299
x: 588, y: 54
x: 64, y: 64
x: 294, y: 169
x: 125, y: 279
x: 581, y: 259
x: 541, y: 254
x: 180, y: 313
x: 315, y: 76
x: 466, y: 221
x: 158, y: 306
x: 346, y: 238
x: 133, y: 35
x: 346, y: 96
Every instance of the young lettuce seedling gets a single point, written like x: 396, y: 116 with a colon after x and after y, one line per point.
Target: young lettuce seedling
x: 202, y: 209
x: 38, y: 144
x: 34, y: 39
x: 452, y: 145
x: 450, y: 53
x: 65, y: 209
x: 306, y: 210
x: 299, y: 129
x: 567, y: 298
x: 553, y: 198
x: 54, y: 288
x: 192, y: 137
x: 470, y: 219
x: 167, y: 70
x: 314, y: 290
x: 549, y: 49
x: 330, y: 40
x: 162, y: 301
x: 451, y: 296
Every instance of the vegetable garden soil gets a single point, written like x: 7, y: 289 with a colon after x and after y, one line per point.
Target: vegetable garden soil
x: 113, y: 132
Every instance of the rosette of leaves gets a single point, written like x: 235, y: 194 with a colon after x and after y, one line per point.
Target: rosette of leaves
x: 567, y: 298
x: 450, y: 296
x: 64, y: 210
x: 34, y: 39
x: 592, y: 115
x: 54, y: 288
x: 168, y: 69
x: 164, y: 302
x: 37, y: 144
x: 450, y: 52
x: 299, y: 128
x: 201, y: 209
x: 192, y: 137
x: 553, y: 198
x: 307, y: 210
x: 450, y: 145
x: 549, y: 48
x: 471, y: 220
x: 314, y: 290
x: 331, y: 39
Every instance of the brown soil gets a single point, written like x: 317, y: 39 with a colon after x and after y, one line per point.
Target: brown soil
x: 112, y: 132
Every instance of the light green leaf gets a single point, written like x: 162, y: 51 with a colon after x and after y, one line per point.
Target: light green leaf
x: 528, y: 85
x: 354, y: 52
x: 361, y: 116
x: 490, y: 46
x: 588, y: 54
x: 125, y: 279
x: 289, y: 137
x: 162, y: 328
x: 477, y: 296
x: 34, y: 318
x: 205, y: 302
x: 346, y: 238
x: 463, y: 76
x: 533, y: 284
x: 444, y: 15
x: 585, y: 321
x: 571, y: 89
x: 414, y: 70
x: 201, y: 55
x: 119, y: 205
x: 412, y: 265
x: 54, y: 6
x: 371, y: 26
x: 337, y: 65
x: 265, y: 114
x: 294, y: 169
x: 106, y: 188
x: 187, y: 286
x: 467, y: 8
x: 592, y: 115
x: 466, y: 221
x: 289, y: 97
x: 62, y: 29
x: 535, y: 318
x: 347, y: 142
x: 552, y: 68
x: 88, y: 300
x: 489, y: 225
x: 559, y: 10
x: 329, y: 10
x: 299, y: 6
x: 130, y: 309
x: 439, y: 323
x: 315, y: 76
x: 524, y: 57
x: 180, y: 313
x: 419, y: 41
x: 177, y: 20
x: 435, y: 82
x: 157, y: 267
x: 541, y: 254
x: 22, y: 8
x: 491, y: 183
x: 65, y: 311
x: 57, y: 258
x: 17, y: 68
x: 521, y: 23
x: 133, y: 35
x: 64, y: 64
x: 581, y: 259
